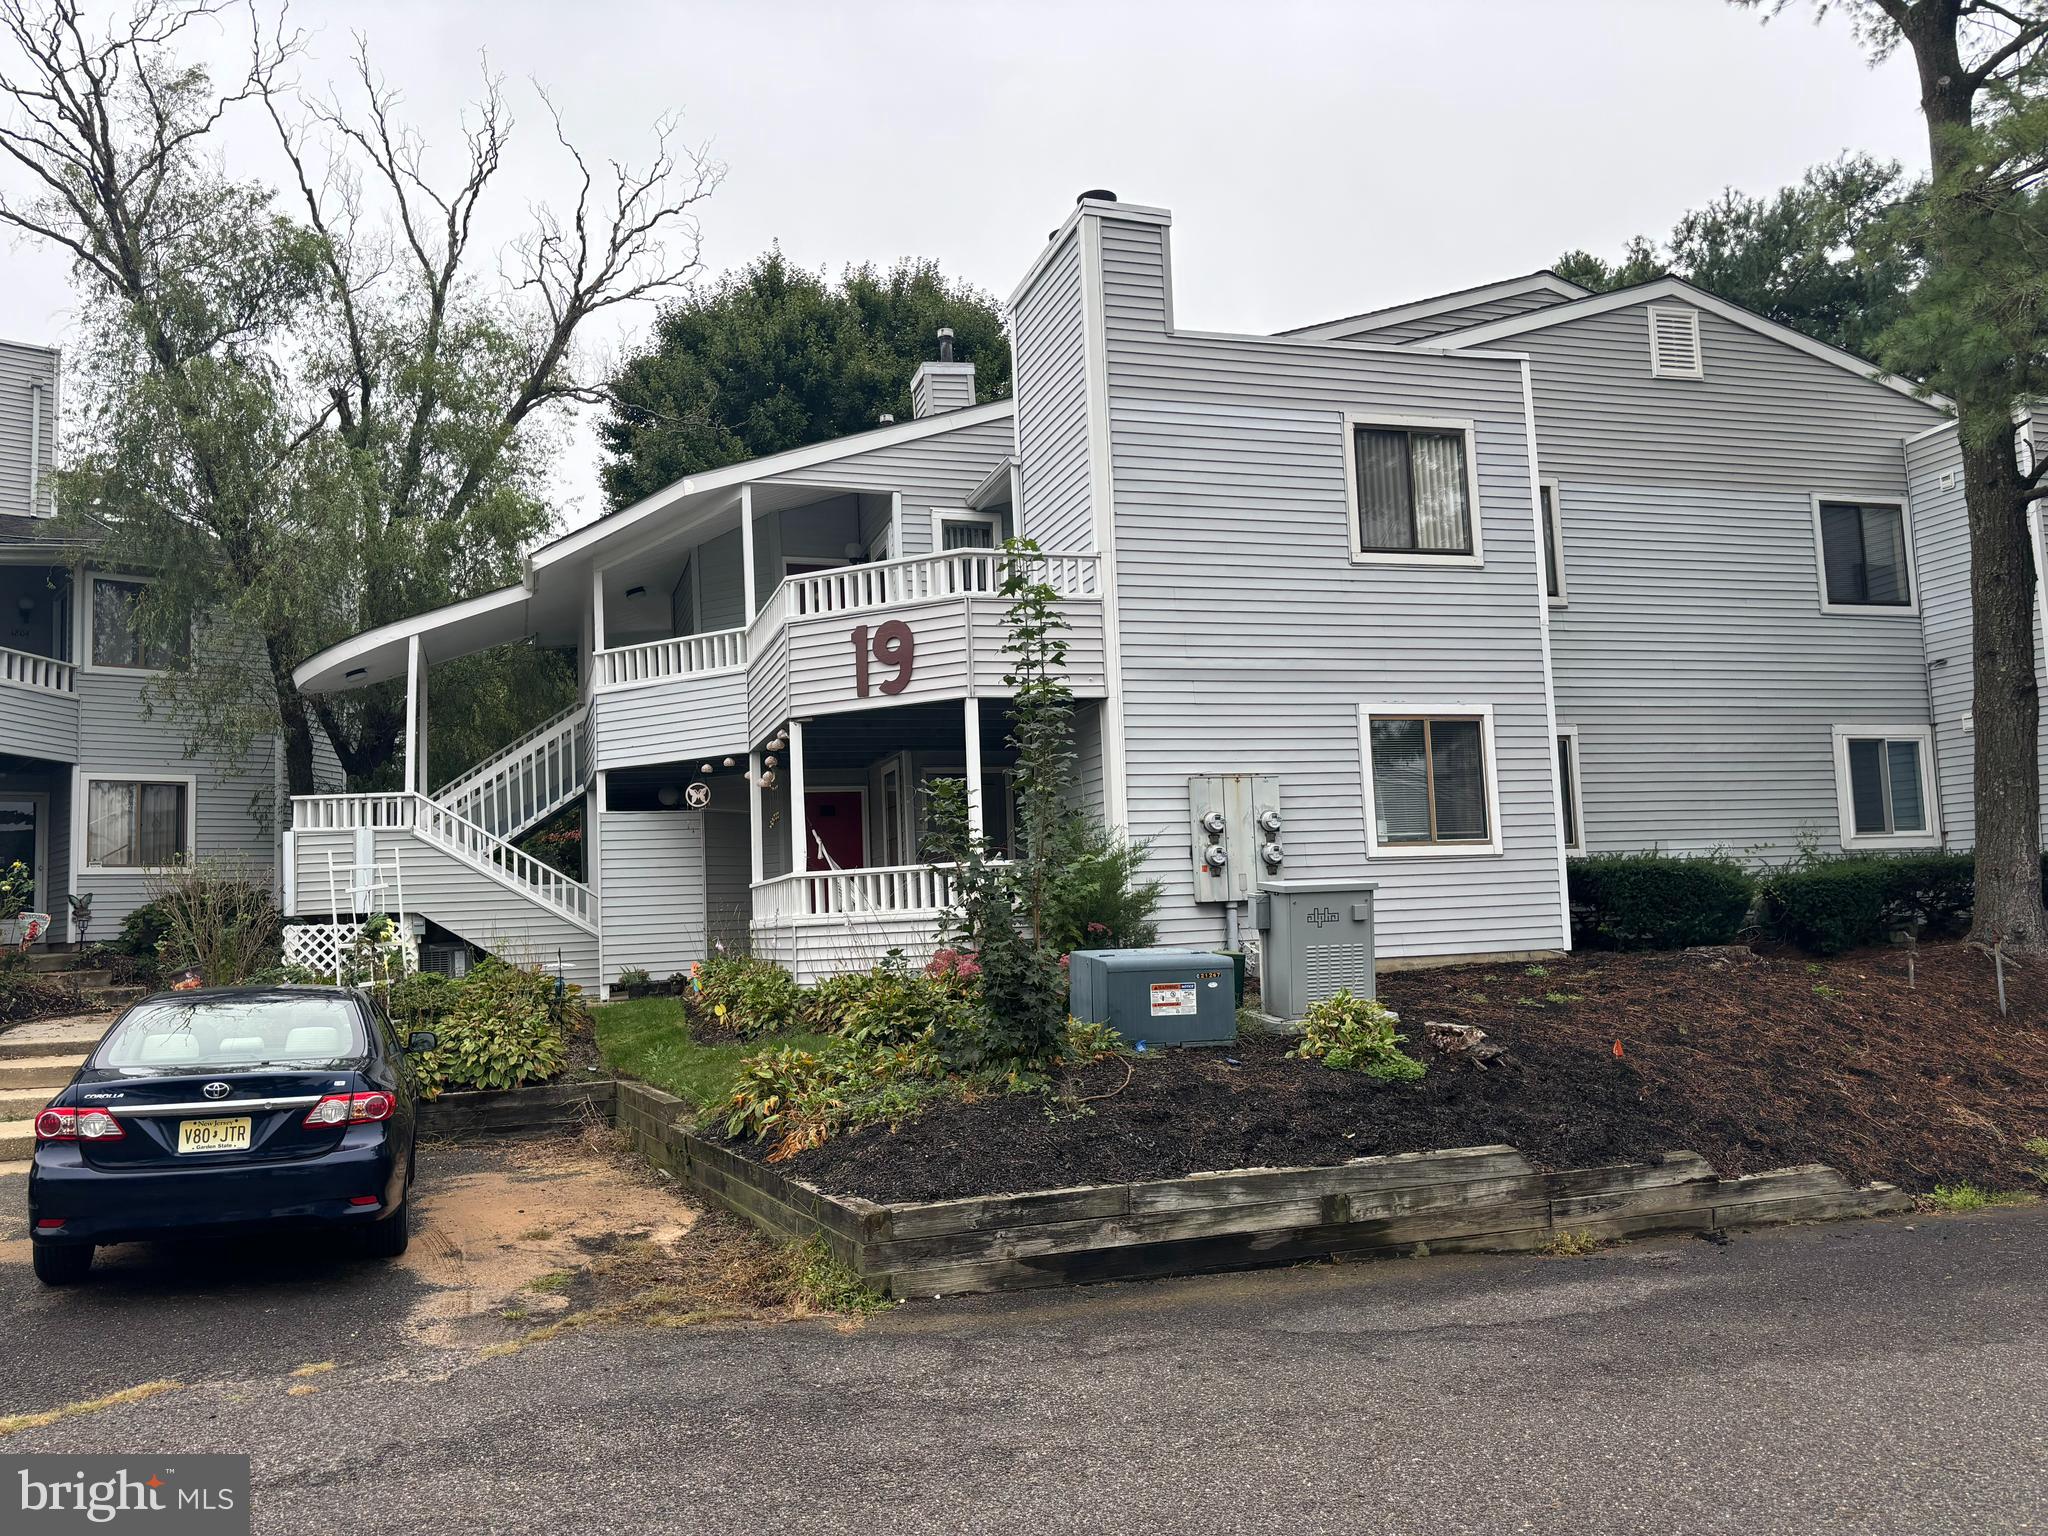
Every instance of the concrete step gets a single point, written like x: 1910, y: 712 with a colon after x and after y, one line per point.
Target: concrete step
x: 114, y: 998
x: 24, y: 1103
x: 16, y: 1169
x: 77, y: 1033
x: 50, y: 1072
x: 17, y: 1140
x: 43, y: 961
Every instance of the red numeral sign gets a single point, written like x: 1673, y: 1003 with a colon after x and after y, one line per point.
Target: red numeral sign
x: 891, y: 644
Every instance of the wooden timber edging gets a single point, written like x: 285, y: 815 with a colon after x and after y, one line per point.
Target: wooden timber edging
x: 1464, y: 1200
x: 539, y: 1108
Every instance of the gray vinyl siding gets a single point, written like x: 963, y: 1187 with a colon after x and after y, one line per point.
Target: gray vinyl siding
x: 1049, y: 338
x: 1462, y: 318
x: 935, y: 471
x: 1693, y: 658
x: 654, y: 898
x: 233, y: 800
x: 1250, y: 640
x: 21, y: 369
x: 722, y: 582
x: 728, y: 876
x: 1087, y: 792
x: 34, y: 723
x: 686, y: 717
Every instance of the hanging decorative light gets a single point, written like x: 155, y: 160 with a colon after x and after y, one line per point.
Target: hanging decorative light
x: 728, y: 762
x: 768, y: 779
x: 769, y: 759
x: 706, y: 767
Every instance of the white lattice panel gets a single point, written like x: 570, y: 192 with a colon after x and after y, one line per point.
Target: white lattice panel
x: 320, y: 947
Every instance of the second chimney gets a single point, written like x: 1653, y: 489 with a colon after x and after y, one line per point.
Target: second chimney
x: 944, y: 385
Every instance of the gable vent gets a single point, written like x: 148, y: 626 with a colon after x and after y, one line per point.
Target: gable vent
x: 1675, y: 343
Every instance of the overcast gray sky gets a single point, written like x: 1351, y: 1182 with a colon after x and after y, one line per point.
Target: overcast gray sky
x: 1319, y: 158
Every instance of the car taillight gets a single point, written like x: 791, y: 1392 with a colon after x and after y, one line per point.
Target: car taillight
x: 60, y: 1124
x: 349, y: 1109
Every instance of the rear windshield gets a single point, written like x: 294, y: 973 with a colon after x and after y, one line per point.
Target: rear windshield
x: 220, y: 1032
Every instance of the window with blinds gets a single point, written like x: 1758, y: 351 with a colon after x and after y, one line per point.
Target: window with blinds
x: 1863, y: 556
x: 1429, y: 781
x: 1413, y: 491
x: 131, y: 824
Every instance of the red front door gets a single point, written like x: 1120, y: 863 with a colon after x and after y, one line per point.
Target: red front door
x: 833, y: 818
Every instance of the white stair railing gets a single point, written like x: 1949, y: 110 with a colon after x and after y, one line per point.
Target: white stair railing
x: 42, y: 673
x: 527, y: 781
x: 465, y: 840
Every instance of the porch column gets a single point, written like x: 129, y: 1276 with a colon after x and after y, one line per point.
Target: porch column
x: 757, y: 834
x: 747, y: 550
x: 799, y: 838
x: 412, y: 715
x: 426, y: 770
x: 596, y: 613
x: 971, y: 720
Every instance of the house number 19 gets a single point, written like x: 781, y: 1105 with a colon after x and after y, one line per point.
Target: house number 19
x: 889, y: 644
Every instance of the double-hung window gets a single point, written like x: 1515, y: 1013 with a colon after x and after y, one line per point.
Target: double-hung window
x: 1864, y: 560
x: 1430, y: 782
x: 1412, y: 493
x: 1883, y: 779
x: 117, y: 631
x: 1553, y: 544
x: 137, y: 823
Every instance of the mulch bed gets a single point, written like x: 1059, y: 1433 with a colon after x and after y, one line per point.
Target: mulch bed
x: 1755, y: 1061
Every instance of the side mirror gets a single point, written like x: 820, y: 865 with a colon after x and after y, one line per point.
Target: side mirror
x: 421, y: 1040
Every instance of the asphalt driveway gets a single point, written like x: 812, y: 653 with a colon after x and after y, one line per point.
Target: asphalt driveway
x: 1867, y: 1377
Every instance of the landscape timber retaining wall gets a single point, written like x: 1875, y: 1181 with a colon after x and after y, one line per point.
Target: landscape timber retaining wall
x: 520, y: 1111
x: 1465, y: 1200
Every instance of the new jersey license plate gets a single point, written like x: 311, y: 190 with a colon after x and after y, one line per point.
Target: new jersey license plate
x: 214, y: 1135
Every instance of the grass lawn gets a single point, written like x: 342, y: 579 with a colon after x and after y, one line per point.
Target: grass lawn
x: 646, y: 1038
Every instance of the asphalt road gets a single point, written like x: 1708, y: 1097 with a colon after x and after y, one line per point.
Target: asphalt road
x: 1868, y: 1377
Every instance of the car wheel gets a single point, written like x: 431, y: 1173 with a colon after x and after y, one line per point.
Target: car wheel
x: 61, y: 1265
x: 388, y: 1238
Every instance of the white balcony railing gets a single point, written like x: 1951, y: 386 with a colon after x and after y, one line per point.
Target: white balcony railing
x: 717, y: 650
x: 917, y: 579
x: 877, y: 892
x: 465, y: 840
x: 42, y: 673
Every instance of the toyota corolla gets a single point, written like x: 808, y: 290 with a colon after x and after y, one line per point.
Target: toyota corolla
x: 222, y: 1110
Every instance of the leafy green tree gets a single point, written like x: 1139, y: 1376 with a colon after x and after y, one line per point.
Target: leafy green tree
x: 313, y: 412
x: 772, y: 357
x: 1976, y: 329
x: 1830, y: 257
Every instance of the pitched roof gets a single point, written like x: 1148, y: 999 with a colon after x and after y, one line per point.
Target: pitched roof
x: 1669, y: 287
x: 1544, y: 281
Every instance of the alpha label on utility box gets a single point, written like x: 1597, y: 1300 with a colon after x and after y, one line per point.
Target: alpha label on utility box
x: 1173, y: 999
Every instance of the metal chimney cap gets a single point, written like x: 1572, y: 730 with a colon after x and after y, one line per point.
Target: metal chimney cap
x: 887, y: 419
x: 1097, y: 195
x: 945, y: 343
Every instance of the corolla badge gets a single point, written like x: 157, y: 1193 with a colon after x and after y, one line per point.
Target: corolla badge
x: 215, y: 1090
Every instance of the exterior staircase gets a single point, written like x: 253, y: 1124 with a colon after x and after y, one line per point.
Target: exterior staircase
x: 448, y: 869
x: 36, y: 1060
x: 528, y: 781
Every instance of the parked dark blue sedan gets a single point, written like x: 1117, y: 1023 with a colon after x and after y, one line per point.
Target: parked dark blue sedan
x: 233, y: 1108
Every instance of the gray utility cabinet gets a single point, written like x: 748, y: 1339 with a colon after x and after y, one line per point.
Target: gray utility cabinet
x: 1318, y: 942
x: 1159, y: 996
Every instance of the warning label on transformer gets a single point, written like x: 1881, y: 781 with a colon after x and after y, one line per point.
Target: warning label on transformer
x: 1172, y: 998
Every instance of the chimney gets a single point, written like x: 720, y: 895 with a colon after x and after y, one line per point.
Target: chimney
x: 944, y: 385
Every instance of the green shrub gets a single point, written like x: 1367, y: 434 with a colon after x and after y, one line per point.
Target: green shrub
x: 1357, y: 1034
x: 422, y: 1000
x: 1829, y: 905
x: 1657, y: 900
x: 751, y: 997
x: 895, y: 1008
x: 507, y: 1027
x: 1095, y: 899
x: 144, y: 929
x: 221, y: 918
x: 800, y: 1098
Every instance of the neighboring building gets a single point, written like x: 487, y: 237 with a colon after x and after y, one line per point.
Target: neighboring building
x: 93, y: 791
x: 1480, y: 580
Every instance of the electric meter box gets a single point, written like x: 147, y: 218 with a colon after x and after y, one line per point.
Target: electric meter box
x: 1235, y: 822
x: 1319, y: 941
x: 1159, y: 996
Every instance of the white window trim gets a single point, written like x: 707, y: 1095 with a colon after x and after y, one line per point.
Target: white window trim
x: 1571, y: 733
x: 1435, y: 709
x: 1353, y: 420
x: 944, y: 515
x: 1906, y: 610
x: 1563, y: 598
x: 1691, y: 316
x: 1930, y: 789
x: 85, y: 647
x: 80, y: 815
